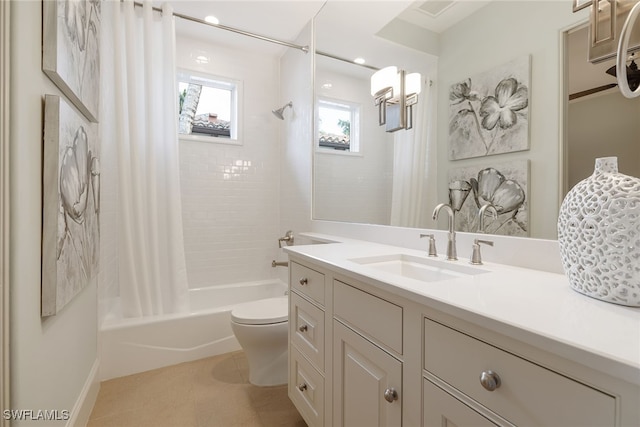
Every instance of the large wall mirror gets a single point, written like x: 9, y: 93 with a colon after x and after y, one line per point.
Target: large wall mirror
x: 483, y: 36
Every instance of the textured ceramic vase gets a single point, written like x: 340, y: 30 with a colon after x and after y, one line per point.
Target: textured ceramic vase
x: 599, y: 235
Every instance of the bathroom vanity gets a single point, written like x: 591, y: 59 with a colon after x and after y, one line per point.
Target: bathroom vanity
x: 382, y: 335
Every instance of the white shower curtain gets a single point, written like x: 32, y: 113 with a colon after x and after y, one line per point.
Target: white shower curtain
x: 414, y: 167
x: 152, y: 267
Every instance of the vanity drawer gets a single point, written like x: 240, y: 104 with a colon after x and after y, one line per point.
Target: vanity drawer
x: 307, y: 281
x: 375, y: 317
x: 527, y: 394
x: 306, y: 389
x: 307, y: 329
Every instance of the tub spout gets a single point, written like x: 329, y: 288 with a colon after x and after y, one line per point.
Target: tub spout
x: 275, y: 263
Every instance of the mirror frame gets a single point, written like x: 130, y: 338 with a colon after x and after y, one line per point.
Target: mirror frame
x: 5, y: 53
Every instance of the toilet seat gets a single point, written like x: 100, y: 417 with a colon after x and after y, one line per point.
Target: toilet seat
x: 262, y: 312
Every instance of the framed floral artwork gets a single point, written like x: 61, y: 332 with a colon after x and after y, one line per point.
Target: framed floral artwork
x: 503, y: 185
x: 71, y: 204
x: 489, y: 112
x: 71, y: 51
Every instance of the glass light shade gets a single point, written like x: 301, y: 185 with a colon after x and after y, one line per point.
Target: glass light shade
x: 384, y: 78
x: 412, y: 83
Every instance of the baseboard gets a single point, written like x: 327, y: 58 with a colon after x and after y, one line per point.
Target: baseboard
x: 87, y: 398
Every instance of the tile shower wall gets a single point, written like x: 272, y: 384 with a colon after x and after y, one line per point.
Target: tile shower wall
x: 230, y: 193
x: 354, y: 188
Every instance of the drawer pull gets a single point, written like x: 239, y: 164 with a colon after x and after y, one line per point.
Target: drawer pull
x: 302, y: 387
x: 490, y: 380
x: 303, y: 328
x: 303, y: 281
x: 390, y: 395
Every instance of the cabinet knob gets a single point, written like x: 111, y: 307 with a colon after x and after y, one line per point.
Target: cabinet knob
x: 303, y: 328
x: 390, y: 395
x: 303, y: 281
x: 302, y: 387
x: 490, y: 380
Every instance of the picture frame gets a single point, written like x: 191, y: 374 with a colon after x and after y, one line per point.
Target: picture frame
x: 503, y: 184
x: 489, y: 111
x: 71, y: 51
x: 70, y: 205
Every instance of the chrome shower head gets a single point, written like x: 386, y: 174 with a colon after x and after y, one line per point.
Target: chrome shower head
x: 279, y: 111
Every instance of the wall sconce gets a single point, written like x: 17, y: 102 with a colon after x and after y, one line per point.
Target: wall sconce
x: 395, y: 93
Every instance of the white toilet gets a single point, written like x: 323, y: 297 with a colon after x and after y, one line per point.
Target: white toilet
x: 261, y: 328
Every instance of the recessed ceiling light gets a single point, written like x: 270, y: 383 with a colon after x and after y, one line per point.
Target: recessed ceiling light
x: 201, y: 59
x: 212, y: 19
x: 359, y: 60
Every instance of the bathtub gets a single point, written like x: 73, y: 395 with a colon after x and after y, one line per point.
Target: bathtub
x: 129, y: 346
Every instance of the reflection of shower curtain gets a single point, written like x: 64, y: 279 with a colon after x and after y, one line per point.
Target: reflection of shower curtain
x: 414, y: 171
x: 142, y: 96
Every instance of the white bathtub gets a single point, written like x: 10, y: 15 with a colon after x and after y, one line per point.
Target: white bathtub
x: 128, y: 346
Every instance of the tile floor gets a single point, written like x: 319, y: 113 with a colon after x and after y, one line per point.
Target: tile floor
x: 212, y: 392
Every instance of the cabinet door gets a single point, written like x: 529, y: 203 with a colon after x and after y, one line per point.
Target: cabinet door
x: 443, y: 410
x: 362, y: 375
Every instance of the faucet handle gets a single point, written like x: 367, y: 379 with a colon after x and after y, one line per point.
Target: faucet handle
x: 476, y: 257
x: 432, y: 244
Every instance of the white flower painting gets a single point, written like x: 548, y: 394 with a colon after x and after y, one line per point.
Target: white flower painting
x: 71, y: 51
x: 505, y: 186
x: 71, y: 205
x: 489, y: 112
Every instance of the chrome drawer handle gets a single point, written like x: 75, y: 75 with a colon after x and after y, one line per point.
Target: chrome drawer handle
x: 303, y: 281
x: 302, y: 387
x: 490, y: 380
x: 390, y: 395
x: 303, y: 328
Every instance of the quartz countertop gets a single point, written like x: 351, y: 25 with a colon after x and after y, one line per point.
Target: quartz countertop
x: 532, y: 306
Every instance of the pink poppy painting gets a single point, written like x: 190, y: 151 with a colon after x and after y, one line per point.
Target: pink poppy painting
x: 489, y: 112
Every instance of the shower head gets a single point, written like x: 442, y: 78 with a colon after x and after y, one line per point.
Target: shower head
x: 279, y: 111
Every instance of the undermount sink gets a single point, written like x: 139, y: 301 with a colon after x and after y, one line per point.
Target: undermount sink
x: 424, y: 269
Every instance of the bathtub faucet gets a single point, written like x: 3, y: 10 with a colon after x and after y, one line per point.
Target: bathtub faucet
x: 288, y: 238
x: 275, y: 263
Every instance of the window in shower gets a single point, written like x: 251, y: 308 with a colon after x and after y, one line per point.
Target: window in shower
x: 338, y: 125
x: 208, y: 107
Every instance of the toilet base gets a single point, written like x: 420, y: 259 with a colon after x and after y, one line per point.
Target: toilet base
x: 266, y: 349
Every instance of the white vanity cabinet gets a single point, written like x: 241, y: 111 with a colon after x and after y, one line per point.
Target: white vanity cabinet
x: 505, y: 388
x: 307, y: 342
x: 363, y: 353
x: 367, y: 379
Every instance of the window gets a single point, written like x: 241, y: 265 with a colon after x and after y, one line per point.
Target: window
x: 208, y: 107
x: 338, y: 125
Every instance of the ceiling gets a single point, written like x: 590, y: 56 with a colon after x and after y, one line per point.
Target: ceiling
x: 284, y: 20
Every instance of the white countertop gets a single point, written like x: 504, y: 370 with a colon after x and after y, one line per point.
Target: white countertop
x: 536, y: 307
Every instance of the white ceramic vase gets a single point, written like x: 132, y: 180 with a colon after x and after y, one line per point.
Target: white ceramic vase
x: 599, y: 235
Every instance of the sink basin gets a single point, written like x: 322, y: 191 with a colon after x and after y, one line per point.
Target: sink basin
x: 424, y: 269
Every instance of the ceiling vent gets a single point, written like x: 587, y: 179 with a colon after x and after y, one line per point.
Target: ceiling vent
x: 434, y: 8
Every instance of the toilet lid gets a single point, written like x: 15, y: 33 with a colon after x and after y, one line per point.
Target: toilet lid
x: 262, y: 312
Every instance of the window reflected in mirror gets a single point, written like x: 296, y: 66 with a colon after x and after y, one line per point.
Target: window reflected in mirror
x: 338, y: 125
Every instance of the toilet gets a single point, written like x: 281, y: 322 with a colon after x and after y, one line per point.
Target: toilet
x: 261, y: 328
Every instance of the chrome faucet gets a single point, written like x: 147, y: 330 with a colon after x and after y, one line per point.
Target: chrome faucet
x: 483, y: 208
x: 452, y: 254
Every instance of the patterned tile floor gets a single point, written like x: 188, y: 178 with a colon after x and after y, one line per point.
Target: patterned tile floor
x: 212, y: 392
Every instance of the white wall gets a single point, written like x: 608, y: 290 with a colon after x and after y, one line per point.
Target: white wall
x: 354, y: 187
x: 602, y: 126
x: 51, y: 359
x: 296, y: 77
x: 230, y: 194
x: 496, y: 34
